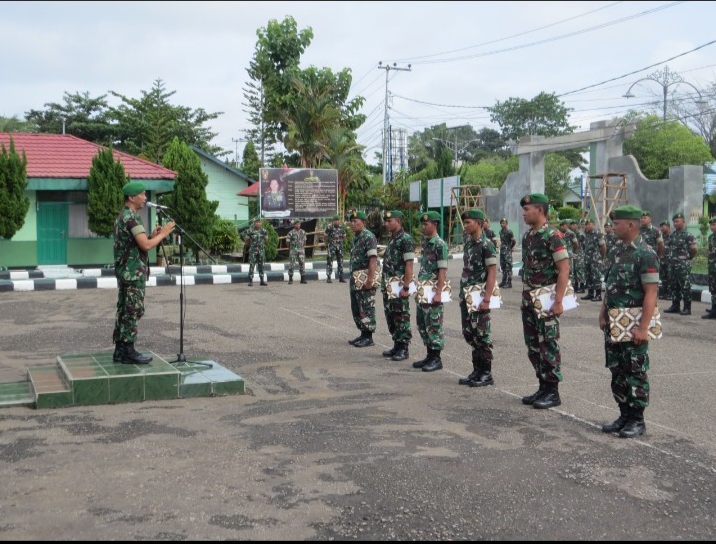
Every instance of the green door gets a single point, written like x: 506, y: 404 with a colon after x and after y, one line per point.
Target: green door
x: 52, y: 226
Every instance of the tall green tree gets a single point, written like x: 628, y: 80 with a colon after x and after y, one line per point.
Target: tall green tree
x: 250, y: 163
x: 343, y: 153
x: 80, y: 114
x: 657, y: 145
x: 105, y: 198
x: 14, y: 124
x: 557, y: 169
x: 14, y: 203
x: 146, y: 126
x: 191, y: 208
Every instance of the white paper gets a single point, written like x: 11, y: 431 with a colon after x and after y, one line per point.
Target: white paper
x: 569, y: 302
x: 396, y: 287
x: 446, y: 296
x: 495, y: 302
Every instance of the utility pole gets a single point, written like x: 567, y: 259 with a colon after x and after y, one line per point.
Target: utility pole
x: 386, y: 124
x: 236, y: 151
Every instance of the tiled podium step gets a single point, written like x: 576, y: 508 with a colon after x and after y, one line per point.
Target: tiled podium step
x: 93, y: 378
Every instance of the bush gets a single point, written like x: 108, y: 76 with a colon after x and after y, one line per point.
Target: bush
x: 348, y: 241
x: 569, y: 212
x: 271, y: 242
x: 224, y: 238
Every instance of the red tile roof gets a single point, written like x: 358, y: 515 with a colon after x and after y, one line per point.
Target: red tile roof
x: 68, y: 157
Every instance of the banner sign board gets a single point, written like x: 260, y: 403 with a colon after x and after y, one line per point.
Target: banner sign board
x: 298, y: 192
x: 414, y: 191
x: 442, y: 187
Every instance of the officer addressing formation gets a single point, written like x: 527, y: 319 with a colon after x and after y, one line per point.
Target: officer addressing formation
x: 335, y: 235
x: 131, y: 266
x: 398, y: 261
x: 256, y: 240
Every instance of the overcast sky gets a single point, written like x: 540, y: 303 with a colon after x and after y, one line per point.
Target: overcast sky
x: 463, y: 55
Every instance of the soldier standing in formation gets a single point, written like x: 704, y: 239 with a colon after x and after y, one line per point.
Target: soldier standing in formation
x: 433, y: 266
x: 664, y: 277
x: 545, y: 262
x: 570, y: 242
x: 131, y: 267
x: 595, y: 249
x: 631, y: 277
x: 398, y: 261
x: 335, y: 235
x: 507, y: 244
x: 364, y: 257
x: 256, y: 240
x: 651, y: 234
x: 296, y: 241
x: 578, y: 275
x: 494, y: 238
x: 609, y: 238
x: 683, y: 249
x: 711, y: 313
x: 479, y: 267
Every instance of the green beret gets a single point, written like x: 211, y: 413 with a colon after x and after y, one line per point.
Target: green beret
x: 534, y: 198
x: 678, y: 215
x: 626, y: 212
x: 504, y: 220
x: 336, y: 217
x: 475, y: 213
x: 608, y: 224
x: 582, y: 221
x: 430, y: 216
x: 564, y: 221
x: 133, y: 188
x: 712, y: 220
x: 393, y: 214
x: 646, y: 213
x: 358, y: 215
x: 664, y: 223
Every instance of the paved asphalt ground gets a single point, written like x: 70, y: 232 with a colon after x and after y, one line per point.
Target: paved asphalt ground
x: 333, y: 442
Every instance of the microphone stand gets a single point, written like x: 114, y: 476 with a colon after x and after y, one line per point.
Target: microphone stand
x: 181, y: 358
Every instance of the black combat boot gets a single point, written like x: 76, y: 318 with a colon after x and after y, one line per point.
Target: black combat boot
x: 588, y: 296
x: 662, y: 292
x: 390, y: 352
x: 290, y: 278
x: 503, y: 281
x: 508, y: 285
x: 422, y: 362
x: 579, y: 287
x: 435, y: 363
x: 635, y: 425
x: 340, y: 278
x: 476, y: 370
x: 674, y: 308
x: 366, y: 341
x: 597, y: 295
x: 353, y: 342
x: 530, y: 399
x: 303, y: 278
x: 328, y: 279
x: 263, y: 281
x: 485, y: 377
x: 550, y: 397
x: 710, y: 314
x: 618, y: 425
x: 687, y: 307
x: 132, y: 356
x: 401, y: 353
x: 251, y: 281
x: 118, y: 352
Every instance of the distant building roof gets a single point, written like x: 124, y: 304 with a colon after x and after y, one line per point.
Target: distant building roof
x: 65, y: 156
x: 222, y: 164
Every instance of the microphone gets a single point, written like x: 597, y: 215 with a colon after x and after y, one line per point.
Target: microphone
x: 158, y: 206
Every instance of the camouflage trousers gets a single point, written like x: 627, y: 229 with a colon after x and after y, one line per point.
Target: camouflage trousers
x: 256, y: 260
x: 430, y: 325
x: 579, y: 274
x: 680, y: 284
x: 476, y: 331
x: 628, y: 364
x: 293, y: 260
x: 363, y: 309
x: 130, y: 309
x: 334, y: 253
x: 712, y: 281
x: 506, y: 265
x: 397, y: 315
x: 593, y: 273
x: 541, y: 337
x: 665, y: 279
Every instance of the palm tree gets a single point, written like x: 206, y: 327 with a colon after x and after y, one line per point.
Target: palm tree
x: 344, y: 154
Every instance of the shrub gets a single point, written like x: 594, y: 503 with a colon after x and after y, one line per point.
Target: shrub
x: 271, y: 242
x: 224, y: 238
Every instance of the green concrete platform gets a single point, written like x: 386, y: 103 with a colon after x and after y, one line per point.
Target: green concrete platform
x: 85, y: 379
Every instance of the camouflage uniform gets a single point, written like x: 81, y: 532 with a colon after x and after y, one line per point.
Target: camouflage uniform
x: 578, y: 272
x: 610, y: 240
x: 507, y: 238
x: 540, y: 251
x: 490, y: 234
x: 401, y: 248
x: 664, y: 276
x: 257, y: 250
x: 628, y: 268
x: 477, y: 256
x: 651, y: 235
x: 569, y: 237
x: 593, y: 261
x: 365, y: 246
x: 680, y: 266
x: 712, y: 276
x: 334, y: 238
x: 131, y: 266
x: 430, y: 316
x: 296, y: 241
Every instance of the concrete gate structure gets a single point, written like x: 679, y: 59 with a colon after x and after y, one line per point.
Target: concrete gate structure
x: 681, y: 192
